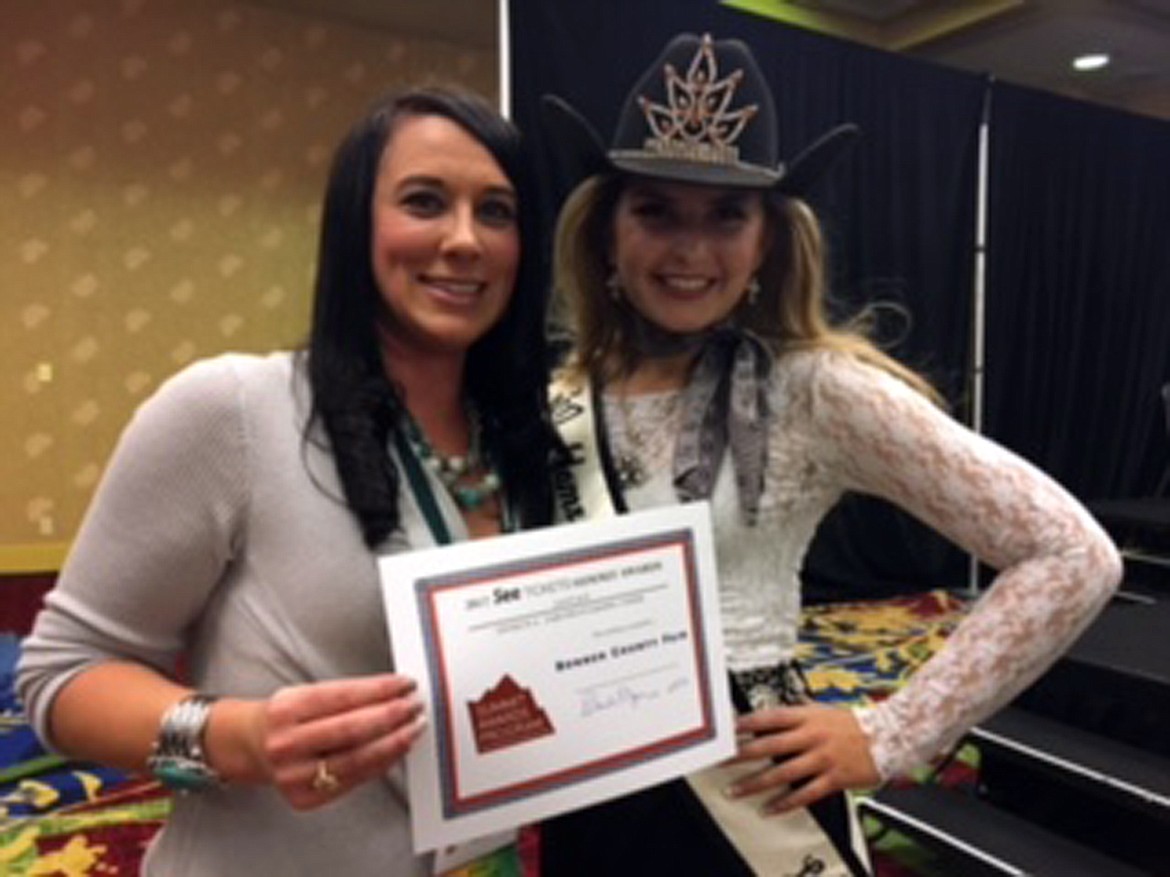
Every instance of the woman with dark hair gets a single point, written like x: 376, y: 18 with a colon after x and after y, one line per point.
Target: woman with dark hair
x: 219, y: 621
x: 705, y: 368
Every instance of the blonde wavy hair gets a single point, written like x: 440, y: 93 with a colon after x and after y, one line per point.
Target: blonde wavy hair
x: 789, y: 313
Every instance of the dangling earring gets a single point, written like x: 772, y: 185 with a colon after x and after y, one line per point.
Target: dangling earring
x: 753, y: 290
x: 614, y: 286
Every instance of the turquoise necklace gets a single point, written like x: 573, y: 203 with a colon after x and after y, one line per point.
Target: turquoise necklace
x: 454, y: 470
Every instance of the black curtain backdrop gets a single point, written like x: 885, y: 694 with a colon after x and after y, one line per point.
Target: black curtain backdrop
x: 1078, y: 305
x: 898, y: 210
x: 899, y: 213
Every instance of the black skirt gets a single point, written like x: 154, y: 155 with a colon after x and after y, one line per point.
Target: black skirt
x: 669, y: 830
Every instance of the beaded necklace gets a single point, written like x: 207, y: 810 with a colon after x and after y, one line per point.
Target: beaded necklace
x: 453, y: 469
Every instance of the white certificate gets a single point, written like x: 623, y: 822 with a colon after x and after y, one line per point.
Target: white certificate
x: 558, y: 667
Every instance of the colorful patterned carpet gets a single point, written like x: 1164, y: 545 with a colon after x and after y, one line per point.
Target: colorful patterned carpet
x: 64, y: 819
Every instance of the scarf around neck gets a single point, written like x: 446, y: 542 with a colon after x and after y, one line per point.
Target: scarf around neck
x: 724, y: 404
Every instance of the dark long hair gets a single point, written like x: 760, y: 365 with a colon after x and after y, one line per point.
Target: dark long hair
x: 506, y: 371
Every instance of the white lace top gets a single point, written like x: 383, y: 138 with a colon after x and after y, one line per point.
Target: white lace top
x: 842, y: 425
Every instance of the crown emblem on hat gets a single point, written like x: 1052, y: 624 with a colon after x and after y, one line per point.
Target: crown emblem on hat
x: 697, y: 122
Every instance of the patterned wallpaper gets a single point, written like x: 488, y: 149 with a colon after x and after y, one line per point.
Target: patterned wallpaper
x: 161, y: 168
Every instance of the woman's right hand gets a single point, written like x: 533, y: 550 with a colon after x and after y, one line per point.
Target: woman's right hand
x: 316, y: 742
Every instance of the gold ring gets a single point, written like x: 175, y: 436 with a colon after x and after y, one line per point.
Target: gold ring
x: 323, y: 779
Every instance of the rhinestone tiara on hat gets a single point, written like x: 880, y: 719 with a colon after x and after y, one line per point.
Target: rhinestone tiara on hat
x: 702, y: 113
x: 697, y: 123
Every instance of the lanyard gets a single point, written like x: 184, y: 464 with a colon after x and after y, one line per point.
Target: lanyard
x: 422, y: 490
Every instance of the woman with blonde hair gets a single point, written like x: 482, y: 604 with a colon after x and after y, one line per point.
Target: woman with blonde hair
x: 690, y: 272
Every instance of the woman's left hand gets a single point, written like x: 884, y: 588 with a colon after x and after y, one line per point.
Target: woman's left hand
x: 821, y: 750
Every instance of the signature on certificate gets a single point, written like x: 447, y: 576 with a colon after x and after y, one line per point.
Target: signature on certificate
x: 630, y: 693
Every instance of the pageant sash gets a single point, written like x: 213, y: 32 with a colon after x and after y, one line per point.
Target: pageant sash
x: 584, y: 485
x: 823, y: 839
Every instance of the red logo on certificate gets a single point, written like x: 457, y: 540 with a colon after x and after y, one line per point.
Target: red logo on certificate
x: 506, y: 716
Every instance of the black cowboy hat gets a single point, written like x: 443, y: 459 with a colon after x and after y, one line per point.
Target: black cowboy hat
x: 701, y: 113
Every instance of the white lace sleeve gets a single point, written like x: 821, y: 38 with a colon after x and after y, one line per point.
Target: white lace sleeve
x: 1057, y: 568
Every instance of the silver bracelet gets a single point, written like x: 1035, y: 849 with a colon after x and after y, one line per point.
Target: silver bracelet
x: 179, y: 761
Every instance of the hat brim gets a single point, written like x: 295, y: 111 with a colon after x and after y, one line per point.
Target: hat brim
x: 815, y: 162
x: 577, y: 147
x: 581, y: 154
x: 741, y: 175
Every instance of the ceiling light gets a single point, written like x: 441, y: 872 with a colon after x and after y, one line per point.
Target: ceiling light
x: 1091, y: 62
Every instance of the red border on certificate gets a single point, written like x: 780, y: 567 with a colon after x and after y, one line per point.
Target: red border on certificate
x: 455, y: 802
x: 558, y: 668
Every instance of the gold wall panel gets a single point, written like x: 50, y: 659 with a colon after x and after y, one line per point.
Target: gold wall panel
x: 161, y: 171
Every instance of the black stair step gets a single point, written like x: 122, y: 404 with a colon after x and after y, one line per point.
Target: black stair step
x: 1115, y: 680
x: 983, y: 841
x: 1113, y: 770
x: 1148, y: 514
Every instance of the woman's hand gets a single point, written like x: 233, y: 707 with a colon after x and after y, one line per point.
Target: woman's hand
x: 319, y: 741
x: 822, y: 750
